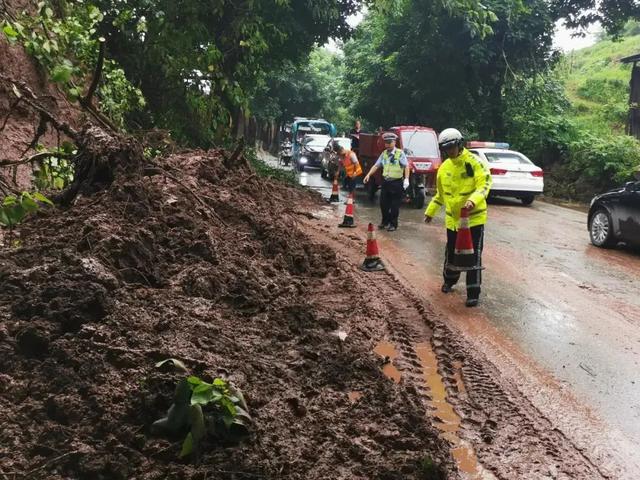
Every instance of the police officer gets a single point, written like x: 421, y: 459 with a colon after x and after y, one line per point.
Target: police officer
x: 463, y: 181
x: 354, y: 134
x: 395, y: 180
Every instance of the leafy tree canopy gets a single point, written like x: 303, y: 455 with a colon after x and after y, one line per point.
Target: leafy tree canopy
x: 200, y: 61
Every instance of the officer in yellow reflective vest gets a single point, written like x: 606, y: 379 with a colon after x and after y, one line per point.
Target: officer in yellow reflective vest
x: 463, y: 181
x: 395, y: 180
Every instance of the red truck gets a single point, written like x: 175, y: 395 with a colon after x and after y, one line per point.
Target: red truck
x: 420, y: 144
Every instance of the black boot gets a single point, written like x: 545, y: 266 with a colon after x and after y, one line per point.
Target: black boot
x: 446, y: 288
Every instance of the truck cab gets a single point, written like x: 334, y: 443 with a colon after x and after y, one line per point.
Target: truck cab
x: 420, y: 145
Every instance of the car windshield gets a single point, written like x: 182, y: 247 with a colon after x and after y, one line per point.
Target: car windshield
x: 420, y: 143
x: 507, y: 157
x: 344, y: 142
x: 316, y: 140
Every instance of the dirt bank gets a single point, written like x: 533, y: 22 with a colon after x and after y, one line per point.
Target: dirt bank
x: 218, y: 271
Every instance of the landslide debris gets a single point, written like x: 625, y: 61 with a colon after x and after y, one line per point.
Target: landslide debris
x: 195, y: 258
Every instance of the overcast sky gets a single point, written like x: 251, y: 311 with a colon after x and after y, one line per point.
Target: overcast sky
x: 563, y: 39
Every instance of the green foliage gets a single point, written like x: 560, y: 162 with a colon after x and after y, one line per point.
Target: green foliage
x: 14, y: 210
x: 63, y: 38
x: 440, y: 70
x: 613, y: 15
x: 580, y: 159
x: 264, y: 170
x: 313, y: 88
x: 217, y: 410
x: 55, y: 172
x: 597, y: 84
x: 428, y: 469
x: 199, y: 63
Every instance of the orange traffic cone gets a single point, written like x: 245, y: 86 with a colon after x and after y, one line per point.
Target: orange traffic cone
x: 372, y: 262
x: 347, y: 220
x: 464, y: 258
x: 335, y: 191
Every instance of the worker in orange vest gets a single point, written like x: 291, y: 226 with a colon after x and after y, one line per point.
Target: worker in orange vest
x: 350, y: 164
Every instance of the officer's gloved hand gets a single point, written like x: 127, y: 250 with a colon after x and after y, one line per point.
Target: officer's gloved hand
x: 405, y: 183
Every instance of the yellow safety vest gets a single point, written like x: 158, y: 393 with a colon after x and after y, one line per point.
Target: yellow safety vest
x: 460, y: 179
x: 392, y: 170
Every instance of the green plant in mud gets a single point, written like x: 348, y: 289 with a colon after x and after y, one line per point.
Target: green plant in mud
x: 14, y: 209
x: 55, y: 171
x: 216, y: 410
x: 428, y: 469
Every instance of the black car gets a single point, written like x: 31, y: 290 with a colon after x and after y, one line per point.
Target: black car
x: 615, y: 216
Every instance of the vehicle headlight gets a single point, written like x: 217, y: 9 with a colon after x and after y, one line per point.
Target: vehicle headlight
x: 304, y: 160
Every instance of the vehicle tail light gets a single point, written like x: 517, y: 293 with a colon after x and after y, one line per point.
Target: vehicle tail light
x: 498, y: 171
x: 538, y: 173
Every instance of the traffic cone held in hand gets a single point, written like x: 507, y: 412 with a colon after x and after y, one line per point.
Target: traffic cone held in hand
x: 372, y: 262
x: 347, y: 220
x: 464, y: 258
x: 335, y: 192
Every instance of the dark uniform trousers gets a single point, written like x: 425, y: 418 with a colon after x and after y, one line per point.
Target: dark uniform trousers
x: 474, y: 277
x: 390, y: 200
x: 349, y: 183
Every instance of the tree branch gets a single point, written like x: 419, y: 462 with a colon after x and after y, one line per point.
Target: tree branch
x: 34, y: 158
x: 96, y: 75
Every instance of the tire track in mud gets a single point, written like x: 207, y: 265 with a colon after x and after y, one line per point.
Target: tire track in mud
x: 507, y: 433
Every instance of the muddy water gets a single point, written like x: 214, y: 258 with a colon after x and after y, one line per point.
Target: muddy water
x: 387, y: 351
x: 446, y: 419
x: 559, y: 317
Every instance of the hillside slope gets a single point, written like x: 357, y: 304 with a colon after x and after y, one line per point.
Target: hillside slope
x: 597, y: 84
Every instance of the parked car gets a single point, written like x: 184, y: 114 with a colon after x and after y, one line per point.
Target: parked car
x: 513, y: 174
x: 614, y: 216
x: 305, y: 133
x: 330, y: 160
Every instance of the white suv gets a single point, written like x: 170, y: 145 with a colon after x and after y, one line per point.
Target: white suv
x: 513, y: 174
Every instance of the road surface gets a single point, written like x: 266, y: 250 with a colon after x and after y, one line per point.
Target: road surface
x: 560, y: 317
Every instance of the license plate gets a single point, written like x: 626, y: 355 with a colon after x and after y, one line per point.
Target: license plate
x: 520, y: 174
x: 422, y: 165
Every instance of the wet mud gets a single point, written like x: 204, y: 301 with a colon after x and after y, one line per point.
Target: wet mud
x: 225, y: 272
x: 492, y: 428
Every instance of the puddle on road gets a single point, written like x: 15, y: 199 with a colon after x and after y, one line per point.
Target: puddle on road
x: 388, y: 351
x: 447, y: 420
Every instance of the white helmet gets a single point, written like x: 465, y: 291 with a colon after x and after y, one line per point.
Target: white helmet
x: 450, y: 137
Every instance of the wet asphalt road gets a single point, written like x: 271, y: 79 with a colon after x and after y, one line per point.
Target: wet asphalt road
x: 570, y: 308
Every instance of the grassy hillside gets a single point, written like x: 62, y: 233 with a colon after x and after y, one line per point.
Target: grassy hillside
x: 597, y: 84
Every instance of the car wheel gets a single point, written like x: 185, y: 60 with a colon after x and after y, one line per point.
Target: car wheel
x: 528, y: 200
x: 601, y: 229
x: 300, y: 168
x: 323, y: 173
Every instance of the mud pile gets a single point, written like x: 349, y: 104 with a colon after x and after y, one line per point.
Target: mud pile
x: 211, y: 265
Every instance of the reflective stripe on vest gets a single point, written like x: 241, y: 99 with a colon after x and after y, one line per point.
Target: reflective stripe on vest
x: 350, y: 168
x: 392, y: 169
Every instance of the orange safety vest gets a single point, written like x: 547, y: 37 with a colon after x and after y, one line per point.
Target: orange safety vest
x: 351, y: 169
